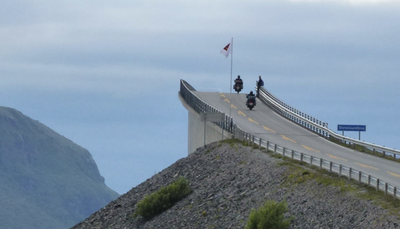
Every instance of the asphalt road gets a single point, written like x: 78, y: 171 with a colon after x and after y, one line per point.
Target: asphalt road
x: 263, y: 122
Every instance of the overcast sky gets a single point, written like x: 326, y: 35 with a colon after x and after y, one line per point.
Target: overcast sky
x: 105, y: 74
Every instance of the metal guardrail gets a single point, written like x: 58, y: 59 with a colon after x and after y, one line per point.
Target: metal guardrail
x: 293, y: 114
x: 317, y: 126
x: 202, y: 107
x: 330, y: 166
x: 309, y: 122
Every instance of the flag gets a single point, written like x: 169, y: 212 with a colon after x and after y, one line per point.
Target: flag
x: 227, y: 50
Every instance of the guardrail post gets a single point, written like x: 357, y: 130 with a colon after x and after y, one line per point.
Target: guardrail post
x: 377, y: 184
x: 311, y: 160
x: 369, y: 180
x: 252, y: 141
x: 330, y: 166
x: 283, y: 152
x: 301, y: 157
x: 386, y: 188
x: 340, y: 170
x: 275, y: 146
x: 260, y: 144
x: 359, y: 176
x: 394, y: 192
x: 320, y: 162
x: 267, y: 146
x: 350, y: 172
x: 292, y: 154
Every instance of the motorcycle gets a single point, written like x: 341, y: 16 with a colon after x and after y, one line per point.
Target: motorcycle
x: 251, y: 102
x: 238, y: 87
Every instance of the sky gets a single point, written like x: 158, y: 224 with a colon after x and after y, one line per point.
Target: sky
x: 105, y: 74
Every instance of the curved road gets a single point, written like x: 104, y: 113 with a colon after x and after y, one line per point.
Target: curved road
x: 263, y: 122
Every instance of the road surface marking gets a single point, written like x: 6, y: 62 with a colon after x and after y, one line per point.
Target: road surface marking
x: 233, y: 106
x: 366, y: 166
x: 226, y: 100
x: 309, y: 148
x: 334, y: 157
x: 394, y: 174
x: 241, y: 113
x: 288, y: 139
x: 266, y: 128
x: 251, y: 120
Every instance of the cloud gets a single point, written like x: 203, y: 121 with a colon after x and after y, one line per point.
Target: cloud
x: 81, y: 58
x: 352, y: 2
x: 110, y: 46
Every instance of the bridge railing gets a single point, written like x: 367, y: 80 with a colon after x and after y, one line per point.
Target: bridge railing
x: 318, y: 126
x: 201, y: 106
x: 341, y: 170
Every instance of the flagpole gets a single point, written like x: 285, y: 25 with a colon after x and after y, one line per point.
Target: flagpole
x: 231, y: 65
x: 230, y: 92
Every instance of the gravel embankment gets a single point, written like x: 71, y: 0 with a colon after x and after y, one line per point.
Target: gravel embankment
x: 227, y: 182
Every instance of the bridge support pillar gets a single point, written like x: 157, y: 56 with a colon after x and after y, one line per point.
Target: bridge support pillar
x: 196, y: 132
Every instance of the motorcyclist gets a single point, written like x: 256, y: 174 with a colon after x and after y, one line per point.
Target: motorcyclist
x: 260, y: 83
x: 239, y: 82
x: 250, y: 97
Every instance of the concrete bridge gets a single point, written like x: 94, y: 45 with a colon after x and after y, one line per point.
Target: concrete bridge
x: 278, y: 127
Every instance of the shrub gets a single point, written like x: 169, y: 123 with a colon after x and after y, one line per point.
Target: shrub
x: 163, y: 199
x: 271, y: 215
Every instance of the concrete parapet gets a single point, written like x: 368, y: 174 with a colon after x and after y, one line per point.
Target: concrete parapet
x: 197, y: 137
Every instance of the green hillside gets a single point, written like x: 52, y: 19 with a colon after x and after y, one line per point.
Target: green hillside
x: 46, y: 180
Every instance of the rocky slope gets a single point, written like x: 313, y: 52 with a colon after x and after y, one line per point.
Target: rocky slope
x: 228, y: 180
x: 46, y: 181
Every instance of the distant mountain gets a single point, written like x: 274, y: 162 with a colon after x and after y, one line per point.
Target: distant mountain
x: 46, y: 180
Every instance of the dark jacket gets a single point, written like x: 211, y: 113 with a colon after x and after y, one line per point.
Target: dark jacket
x: 260, y: 83
x: 239, y: 81
x: 251, y: 97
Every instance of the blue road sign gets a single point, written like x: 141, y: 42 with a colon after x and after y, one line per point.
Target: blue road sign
x: 351, y: 127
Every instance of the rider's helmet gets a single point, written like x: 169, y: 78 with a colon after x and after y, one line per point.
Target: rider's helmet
x: 239, y: 76
x: 251, y: 92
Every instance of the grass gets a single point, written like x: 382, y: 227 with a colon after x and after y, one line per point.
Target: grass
x: 163, y: 199
x: 364, y: 150
x: 298, y: 173
x: 301, y: 172
x: 269, y: 216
